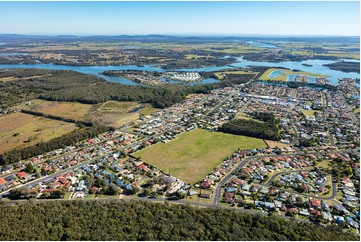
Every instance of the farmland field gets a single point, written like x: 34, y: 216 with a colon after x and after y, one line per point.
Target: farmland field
x: 20, y: 130
x: 192, y: 155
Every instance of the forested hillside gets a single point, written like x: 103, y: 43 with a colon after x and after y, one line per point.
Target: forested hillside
x: 97, y: 220
x: 74, y: 86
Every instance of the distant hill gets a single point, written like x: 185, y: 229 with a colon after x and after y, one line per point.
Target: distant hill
x: 178, y: 38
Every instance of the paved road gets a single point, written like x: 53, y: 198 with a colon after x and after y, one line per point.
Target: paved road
x: 182, y: 202
x: 295, y: 140
x: 352, y: 115
x: 224, y: 180
x: 332, y: 139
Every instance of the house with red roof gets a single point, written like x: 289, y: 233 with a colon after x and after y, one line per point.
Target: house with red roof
x: 315, y: 203
x: 21, y: 174
x: 316, y: 213
x: 237, y: 181
x: 345, y: 180
x: 143, y: 167
x: 2, y: 181
x: 62, y: 180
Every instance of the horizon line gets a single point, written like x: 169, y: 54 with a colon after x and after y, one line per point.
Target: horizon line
x: 183, y: 35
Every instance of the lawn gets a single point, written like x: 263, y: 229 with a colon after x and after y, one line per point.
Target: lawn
x: 323, y: 164
x: 20, y: 130
x: 192, y: 155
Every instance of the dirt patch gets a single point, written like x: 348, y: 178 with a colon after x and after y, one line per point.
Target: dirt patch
x: 273, y: 144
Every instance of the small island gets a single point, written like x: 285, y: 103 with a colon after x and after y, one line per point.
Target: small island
x: 304, y: 64
x: 345, y: 66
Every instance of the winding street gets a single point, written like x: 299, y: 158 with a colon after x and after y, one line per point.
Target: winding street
x: 334, y: 186
x: 217, y: 194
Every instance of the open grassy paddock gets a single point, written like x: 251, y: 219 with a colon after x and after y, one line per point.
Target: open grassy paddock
x: 20, y: 130
x: 110, y: 113
x: 72, y: 110
x: 192, y: 155
x: 116, y: 114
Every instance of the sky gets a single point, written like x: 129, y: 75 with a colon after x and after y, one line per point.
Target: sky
x: 183, y: 18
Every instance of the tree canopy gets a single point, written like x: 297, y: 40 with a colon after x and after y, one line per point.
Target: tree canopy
x: 132, y: 220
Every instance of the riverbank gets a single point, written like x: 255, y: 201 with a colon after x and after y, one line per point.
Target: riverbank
x: 318, y: 67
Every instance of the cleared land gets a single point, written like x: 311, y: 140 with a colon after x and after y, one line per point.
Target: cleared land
x: 220, y: 75
x: 110, y: 113
x: 283, y: 75
x: 194, y: 154
x: 273, y: 144
x: 247, y: 117
x: 20, y: 130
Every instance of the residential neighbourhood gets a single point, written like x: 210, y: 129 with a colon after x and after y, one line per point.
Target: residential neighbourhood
x: 296, y: 177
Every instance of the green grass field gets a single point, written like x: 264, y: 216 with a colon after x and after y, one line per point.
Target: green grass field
x: 194, y: 154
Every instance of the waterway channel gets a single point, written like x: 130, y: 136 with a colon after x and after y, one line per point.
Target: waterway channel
x: 314, y: 66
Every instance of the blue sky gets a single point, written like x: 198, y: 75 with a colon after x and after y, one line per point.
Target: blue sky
x: 229, y: 18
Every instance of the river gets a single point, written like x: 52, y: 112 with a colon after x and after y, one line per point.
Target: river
x: 317, y: 68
